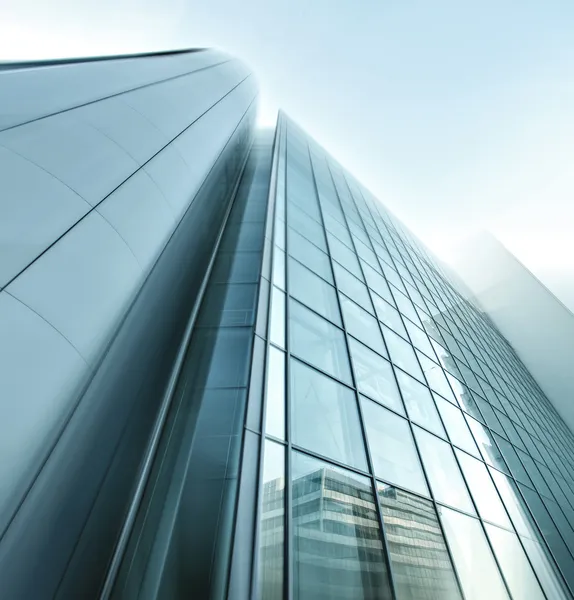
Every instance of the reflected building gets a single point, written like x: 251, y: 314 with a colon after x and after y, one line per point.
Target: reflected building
x: 229, y: 372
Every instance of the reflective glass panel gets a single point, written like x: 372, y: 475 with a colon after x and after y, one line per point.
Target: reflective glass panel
x: 392, y: 448
x: 275, y: 407
x: 374, y: 376
x: 420, y: 561
x: 352, y: 287
x: 419, y: 403
x: 308, y: 254
x: 456, y: 426
x: 472, y: 557
x: 389, y: 316
x: 446, y: 482
x: 277, y: 327
x: 337, y: 543
x: 402, y: 354
x: 344, y: 256
x: 279, y: 268
x: 436, y: 377
x: 325, y: 417
x: 420, y: 339
x: 512, y: 460
x: 318, y: 342
x: 486, y: 445
x: 548, y: 576
x: 377, y: 283
x: 515, y: 566
x: 360, y: 324
x: 482, y: 489
x: 272, y: 525
x: 313, y: 291
x: 514, y: 504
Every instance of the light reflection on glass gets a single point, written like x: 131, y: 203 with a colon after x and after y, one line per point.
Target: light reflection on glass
x: 337, y: 544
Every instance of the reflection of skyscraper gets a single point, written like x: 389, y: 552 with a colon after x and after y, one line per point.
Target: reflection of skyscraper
x: 336, y: 537
x: 421, y: 564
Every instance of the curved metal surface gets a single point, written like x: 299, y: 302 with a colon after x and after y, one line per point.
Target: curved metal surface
x: 98, y: 299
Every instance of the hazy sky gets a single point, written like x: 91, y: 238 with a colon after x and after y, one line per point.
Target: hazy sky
x: 457, y: 115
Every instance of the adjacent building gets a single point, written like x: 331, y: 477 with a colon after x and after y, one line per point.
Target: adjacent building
x: 229, y: 372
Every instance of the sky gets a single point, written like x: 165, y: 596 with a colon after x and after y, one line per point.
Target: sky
x: 458, y: 116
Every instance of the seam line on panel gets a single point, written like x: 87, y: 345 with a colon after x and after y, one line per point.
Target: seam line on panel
x: 169, y: 392
x: 95, y: 206
x: 138, y: 87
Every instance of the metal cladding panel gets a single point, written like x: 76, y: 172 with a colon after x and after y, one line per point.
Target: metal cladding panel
x: 142, y: 217
x: 91, y: 150
x: 33, y: 92
x: 128, y: 128
x: 91, y: 201
x: 78, y: 155
x: 40, y: 373
x: 82, y: 284
x: 30, y: 193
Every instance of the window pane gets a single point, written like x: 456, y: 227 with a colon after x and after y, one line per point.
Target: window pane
x: 275, y: 407
x: 362, y: 325
x: 277, y: 327
x: 374, y: 376
x: 514, y: 505
x: 389, y: 316
x: 511, y: 458
x: 420, y: 339
x: 473, y: 559
x: 307, y: 227
x: 392, y: 448
x: 271, y: 539
x: 318, y: 342
x: 313, y: 291
x: 482, y: 489
x: 446, y: 482
x: 337, y: 543
x: 377, y: 283
x: 344, y: 256
x: 515, y: 566
x: 436, y: 377
x: 419, y: 403
x: 308, y: 254
x: 420, y: 561
x: 550, y: 580
x: 352, y: 287
x: 456, y: 426
x: 279, y: 268
x: 325, y: 417
x: 402, y: 354
x: 486, y: 445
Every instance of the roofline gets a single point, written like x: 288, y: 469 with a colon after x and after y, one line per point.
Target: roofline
x: 49, y: 62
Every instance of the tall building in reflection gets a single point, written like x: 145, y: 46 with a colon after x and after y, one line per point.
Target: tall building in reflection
x: 229, y: 372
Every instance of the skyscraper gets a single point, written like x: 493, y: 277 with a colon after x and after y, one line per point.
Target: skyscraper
x: 230, y: 372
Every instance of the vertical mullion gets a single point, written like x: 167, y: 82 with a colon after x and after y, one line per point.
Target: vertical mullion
x: 288, y: 459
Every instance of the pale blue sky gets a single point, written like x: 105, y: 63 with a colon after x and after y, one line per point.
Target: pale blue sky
x: 457, y: 115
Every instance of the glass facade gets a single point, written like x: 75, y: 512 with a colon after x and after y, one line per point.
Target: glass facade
x: 417, y: 457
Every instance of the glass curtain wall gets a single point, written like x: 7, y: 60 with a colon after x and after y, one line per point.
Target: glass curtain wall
x: 406, y: 451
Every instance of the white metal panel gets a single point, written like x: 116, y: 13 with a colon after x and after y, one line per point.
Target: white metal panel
x: 128, y: 128
x: 83, y: 284
x: 174, y: 105
x: 40, y: 372
x: 74, y: 152
x: 35, y: 209
x: 138, y: 211
x: 33, y: 92
x: 173, y: 177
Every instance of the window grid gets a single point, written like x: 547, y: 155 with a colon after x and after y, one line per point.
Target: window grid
x: 462, y: 321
